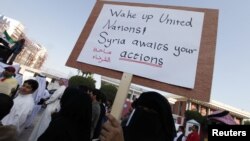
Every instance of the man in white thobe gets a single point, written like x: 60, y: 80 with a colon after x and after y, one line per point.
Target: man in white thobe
x: 23, y: 106
x: 38, y: 95
x: 53, y: 105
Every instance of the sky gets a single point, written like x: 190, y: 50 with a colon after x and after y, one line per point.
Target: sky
x: 57, y: 24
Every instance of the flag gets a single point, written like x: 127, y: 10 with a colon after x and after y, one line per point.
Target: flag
x: 8, y: 38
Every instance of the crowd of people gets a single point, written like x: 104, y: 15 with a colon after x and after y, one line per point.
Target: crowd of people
x: 78, y: 108
x: 80, y: 113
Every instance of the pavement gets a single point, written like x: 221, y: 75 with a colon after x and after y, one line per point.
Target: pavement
x: 24, y: 136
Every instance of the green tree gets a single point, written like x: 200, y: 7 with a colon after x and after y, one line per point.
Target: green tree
x: 84, y: 73
x: 247, y: 122
x: 109, y: 91
x: 80, y: 80
x: 189, y: 114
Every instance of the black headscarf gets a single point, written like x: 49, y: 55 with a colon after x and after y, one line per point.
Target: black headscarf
x: 221, y: 117
x: 73, y: 121
x: 151, y: 119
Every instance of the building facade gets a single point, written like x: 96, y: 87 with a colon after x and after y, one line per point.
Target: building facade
x: 181, y: 104
x: 14, y: 28
x: 207, y: 108
x: 33, y: 54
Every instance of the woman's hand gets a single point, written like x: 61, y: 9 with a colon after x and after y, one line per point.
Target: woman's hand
x: 111, y: 130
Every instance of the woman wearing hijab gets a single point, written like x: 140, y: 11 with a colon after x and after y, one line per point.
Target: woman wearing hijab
x: 151, y: 120
x: 73, y: 121
x: 221, y: 117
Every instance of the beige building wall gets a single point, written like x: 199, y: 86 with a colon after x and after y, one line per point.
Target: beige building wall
x: 33, y: 55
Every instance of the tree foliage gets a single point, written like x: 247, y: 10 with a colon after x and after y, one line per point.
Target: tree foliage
x: 109, y: 91
x: 80, y: 80
x: 247, y: 122
x: 84, y: 73
x: 189, y: 114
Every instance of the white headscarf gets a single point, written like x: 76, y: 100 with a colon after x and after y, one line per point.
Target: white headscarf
x: 41, y: 89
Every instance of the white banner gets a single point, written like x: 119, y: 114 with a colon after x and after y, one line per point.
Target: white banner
x: 156, y: 43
